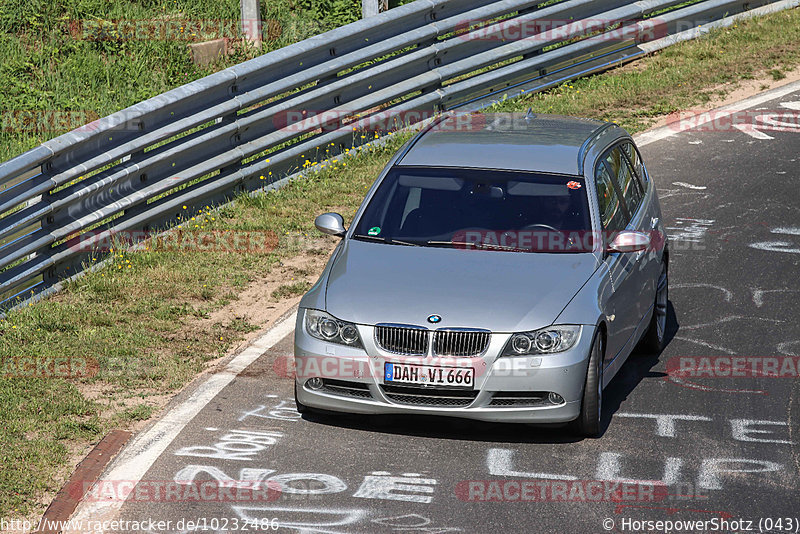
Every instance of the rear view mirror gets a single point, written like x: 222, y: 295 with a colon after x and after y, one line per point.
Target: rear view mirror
x: 331, y: 224
x: 629, y: 241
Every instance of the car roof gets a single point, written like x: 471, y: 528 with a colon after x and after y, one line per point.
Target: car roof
x: 511, y: 141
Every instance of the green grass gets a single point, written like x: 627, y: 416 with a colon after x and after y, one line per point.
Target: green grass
x: 145, y: 319
x: 291, y: 290
x: 44, y: 68
x: 683, y: 76
x: 140, y: 412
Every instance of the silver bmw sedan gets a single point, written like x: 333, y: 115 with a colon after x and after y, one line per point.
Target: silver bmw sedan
x: 498, y: 269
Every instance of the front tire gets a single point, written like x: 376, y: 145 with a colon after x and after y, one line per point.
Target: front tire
x: 588, y: 423
x: 653, y: 340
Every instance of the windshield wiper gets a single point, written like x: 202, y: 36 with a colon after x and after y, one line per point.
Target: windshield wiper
x: 386, y: 240
x: 483, y: 246
x: 450, y: 244
x: 502, y: 247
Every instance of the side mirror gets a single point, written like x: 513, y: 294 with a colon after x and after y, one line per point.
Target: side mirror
x: 331, y: 224
x: 629, y: 241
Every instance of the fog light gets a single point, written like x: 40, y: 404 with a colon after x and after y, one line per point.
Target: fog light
x: 314, y: 383
x: 555, y: 398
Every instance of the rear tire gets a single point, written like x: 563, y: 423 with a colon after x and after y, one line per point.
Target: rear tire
x: 653, y: 339
x: 588, y: 423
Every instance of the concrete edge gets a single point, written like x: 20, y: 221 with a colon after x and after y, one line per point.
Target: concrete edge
x: 662, y: 132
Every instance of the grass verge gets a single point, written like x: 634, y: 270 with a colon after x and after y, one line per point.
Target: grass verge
x: 686, y: 75
x: 66, y: 62
x: 151, y: 320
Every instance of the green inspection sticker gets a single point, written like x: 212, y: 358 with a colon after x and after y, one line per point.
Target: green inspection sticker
x: 375, y: 230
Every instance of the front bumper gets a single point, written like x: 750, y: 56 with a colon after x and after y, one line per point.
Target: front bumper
x: 507, y: 389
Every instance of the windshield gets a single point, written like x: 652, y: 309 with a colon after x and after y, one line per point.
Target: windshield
x: 478, y: 208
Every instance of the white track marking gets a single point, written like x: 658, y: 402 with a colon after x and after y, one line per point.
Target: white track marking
x: 750, y: 130
x: 690, y: 186
x: 691, y: 385
x: 665, y: 423
x: 783, y: 348
x: 705, y: 344
x: 758, y: 294
x: 140, y: 454
x: 779, y: 246
x: 793, y: 230
x: 500, y: 462
x: 726, y: 292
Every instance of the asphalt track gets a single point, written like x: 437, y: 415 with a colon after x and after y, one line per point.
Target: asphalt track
x: 725, y: 448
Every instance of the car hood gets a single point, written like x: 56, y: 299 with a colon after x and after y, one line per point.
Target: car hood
x: 373, y: 283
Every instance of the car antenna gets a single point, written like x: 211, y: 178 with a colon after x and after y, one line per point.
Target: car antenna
x: 530, y: 114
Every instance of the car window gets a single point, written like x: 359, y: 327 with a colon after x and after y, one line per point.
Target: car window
x: 636, y: 161
x: 437, y: 206
x: 612, y: 216
x: 626, y: 181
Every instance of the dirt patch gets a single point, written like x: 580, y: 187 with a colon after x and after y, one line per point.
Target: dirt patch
x: 257, y: 306
x: 736, y: 92
x: 254, y: 305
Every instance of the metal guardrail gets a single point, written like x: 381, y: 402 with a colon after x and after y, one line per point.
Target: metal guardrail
x: 205, y: 142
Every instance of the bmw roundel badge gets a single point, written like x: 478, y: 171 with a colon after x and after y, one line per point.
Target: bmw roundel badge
x: 434, y: 319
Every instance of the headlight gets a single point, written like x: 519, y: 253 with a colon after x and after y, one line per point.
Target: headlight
x: 545, y: 341
x: 328, y: 328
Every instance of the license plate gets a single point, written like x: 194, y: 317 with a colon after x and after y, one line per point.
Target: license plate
x: 429, y: 375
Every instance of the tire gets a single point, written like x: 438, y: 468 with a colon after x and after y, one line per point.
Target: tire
x: 588, y: 423
x: 301, y: 408
x: 653, y: 339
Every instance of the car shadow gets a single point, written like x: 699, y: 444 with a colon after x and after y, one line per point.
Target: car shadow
x: 637, y: 368
x: 450, y: 428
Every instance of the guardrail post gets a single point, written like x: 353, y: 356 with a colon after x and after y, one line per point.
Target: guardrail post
x: 370, y: 8
x: 251, y: 21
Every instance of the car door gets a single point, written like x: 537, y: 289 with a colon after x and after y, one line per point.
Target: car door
x: 613, y: 219
x: 650, y: 222
x: 638, y: 279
